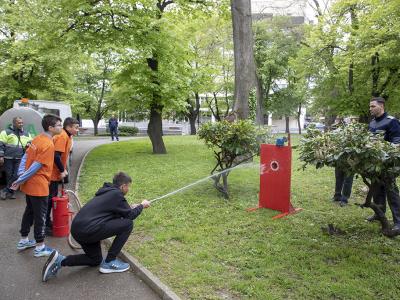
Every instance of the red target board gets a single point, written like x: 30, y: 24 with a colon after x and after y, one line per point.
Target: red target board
x: 275, y: 178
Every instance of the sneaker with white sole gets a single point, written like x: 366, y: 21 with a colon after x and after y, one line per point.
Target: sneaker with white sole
x: 52, y: 265
x: 3, y: 195
x: 114, y: 266
x: 22, y: 245
x: 46, y: 251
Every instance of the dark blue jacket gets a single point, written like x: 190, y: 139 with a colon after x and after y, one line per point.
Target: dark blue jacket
x: 108, y: 204
x: 389, y: 125
x: 113, y: 123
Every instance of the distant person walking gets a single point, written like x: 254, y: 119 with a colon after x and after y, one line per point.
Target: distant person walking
x: 113, y: 125
x: 13, y: 141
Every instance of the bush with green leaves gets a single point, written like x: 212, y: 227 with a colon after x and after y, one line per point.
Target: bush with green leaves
x: 355, y: 150
x: 128, y: 130
x: 232, y: 143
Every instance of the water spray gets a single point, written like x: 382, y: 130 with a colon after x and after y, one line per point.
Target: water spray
x: 201, y: 180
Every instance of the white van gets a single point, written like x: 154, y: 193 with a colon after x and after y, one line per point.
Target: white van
x: 61, y: 109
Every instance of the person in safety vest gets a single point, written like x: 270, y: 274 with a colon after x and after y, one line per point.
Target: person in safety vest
x: 13, y: 141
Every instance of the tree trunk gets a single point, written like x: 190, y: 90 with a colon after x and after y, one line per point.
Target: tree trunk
x: 354, y: 25
x: 243, y: 54
x: 194, y: 113
x: 96, y: 126
x: 260, y: 102
x: 287, y: 121
x: 351, y: 78
x: 298, y: 118
x: 192, y: 121
x: 375, y: 74
x: 154, y: 130
x: 385, y: 225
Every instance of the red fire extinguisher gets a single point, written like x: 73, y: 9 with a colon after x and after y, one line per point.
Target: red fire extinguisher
x: 61, y: 214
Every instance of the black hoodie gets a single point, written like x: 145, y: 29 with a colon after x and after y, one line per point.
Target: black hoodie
x: 109, y: 203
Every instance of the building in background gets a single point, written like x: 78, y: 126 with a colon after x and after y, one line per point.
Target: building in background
x: 298, y: 8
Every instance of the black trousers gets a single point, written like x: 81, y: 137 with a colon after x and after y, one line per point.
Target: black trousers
x: 114, y: 133
x: 11, y: 169
x: 53, y: 191
x: 34, y: 214
x: 343, y: 185
x: 390, y: 191
x: 120, y: 228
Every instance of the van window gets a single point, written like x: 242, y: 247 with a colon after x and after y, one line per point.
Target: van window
x: 49, y: 111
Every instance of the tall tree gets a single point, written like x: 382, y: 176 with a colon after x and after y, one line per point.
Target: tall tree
x: 31, y: 64
x: 139, y: 28
x: 350, y: 56
x: 94, y: 75
x: 245, y: 71
x: 209, y: 60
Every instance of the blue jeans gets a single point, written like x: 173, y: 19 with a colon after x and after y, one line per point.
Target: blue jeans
x: 343, y: 185
x: 114, y: 133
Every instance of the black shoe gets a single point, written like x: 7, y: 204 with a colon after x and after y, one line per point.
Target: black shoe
x: 343, y: 203
x: 372, y: 218
x: 335, y: 199
x: 11, y: 196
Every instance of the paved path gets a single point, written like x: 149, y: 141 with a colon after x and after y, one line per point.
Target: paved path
x: 20, y: 272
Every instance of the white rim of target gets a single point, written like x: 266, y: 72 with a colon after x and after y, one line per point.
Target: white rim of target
x: 274, y: 165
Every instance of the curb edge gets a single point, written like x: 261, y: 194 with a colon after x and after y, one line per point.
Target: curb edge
x: 142, y: 272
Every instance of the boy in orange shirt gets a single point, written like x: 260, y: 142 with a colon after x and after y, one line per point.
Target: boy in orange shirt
x: 35, y: 172
x: 62, y: 148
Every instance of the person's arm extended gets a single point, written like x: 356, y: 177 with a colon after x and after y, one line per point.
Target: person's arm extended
x: 22, y: 164
x: 28, y: 173
x: 135, y: 212
x: 123, y: 209
x: 58, y: 162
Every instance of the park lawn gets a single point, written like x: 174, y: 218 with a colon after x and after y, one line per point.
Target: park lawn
x: 204, y: 247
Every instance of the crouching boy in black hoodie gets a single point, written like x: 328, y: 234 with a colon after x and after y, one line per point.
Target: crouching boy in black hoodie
x: 108, y: 214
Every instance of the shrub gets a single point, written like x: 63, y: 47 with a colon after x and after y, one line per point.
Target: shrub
x: 128, y: 131
x: 232, y: 144
x: 355, y: 150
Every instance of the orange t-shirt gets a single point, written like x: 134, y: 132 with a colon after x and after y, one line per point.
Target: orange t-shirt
x: 42, y: 151
x: 63, y: 144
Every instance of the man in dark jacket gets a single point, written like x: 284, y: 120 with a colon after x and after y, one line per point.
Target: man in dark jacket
x: 390, y: 127
x: 113, y: 125
x: 13, y: 141
x: 107, y: 215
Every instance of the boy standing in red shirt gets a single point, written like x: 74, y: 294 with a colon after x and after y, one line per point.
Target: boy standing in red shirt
x: 62, y: 148
x: 35, y: 172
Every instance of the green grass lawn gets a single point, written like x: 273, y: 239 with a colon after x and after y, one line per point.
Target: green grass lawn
x: 204, y: 247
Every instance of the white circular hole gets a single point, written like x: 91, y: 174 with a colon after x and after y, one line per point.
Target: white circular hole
x: 274, y: 165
